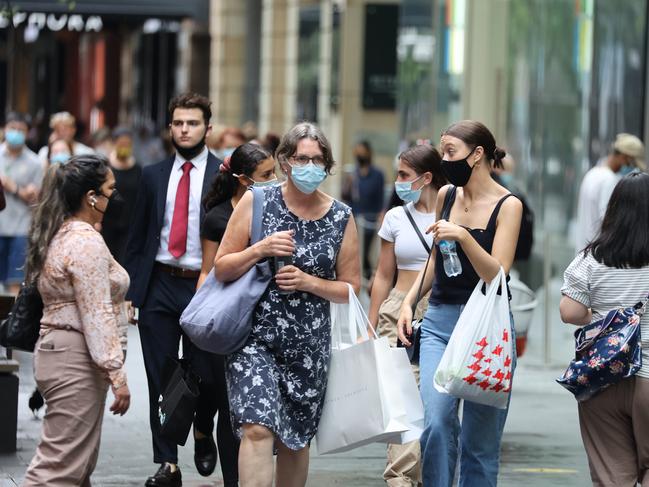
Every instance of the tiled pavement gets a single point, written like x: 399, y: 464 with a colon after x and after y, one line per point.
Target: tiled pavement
x: 541, y: 445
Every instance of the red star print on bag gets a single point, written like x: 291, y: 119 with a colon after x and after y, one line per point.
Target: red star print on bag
x: 482, y: 375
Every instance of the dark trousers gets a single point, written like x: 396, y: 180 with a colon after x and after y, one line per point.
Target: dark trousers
x: 213, y: 400
x: 160, y: 334
x: 368, y: 239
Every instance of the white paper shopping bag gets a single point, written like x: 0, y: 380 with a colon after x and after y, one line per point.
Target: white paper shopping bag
x: 478, y: 360
x: 362, y: 404
x: 410, y: 396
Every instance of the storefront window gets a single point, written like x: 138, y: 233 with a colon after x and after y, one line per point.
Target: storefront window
x: 308, y: 63
x: 575, y: 78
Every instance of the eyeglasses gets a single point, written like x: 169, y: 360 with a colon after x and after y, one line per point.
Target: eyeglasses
x: 304, y: 160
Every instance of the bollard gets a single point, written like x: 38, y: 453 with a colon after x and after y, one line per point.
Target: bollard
x: 8, y: 405
x: 8, y: 390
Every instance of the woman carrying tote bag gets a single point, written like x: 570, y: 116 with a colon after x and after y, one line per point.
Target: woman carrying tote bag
x: 249, y: 165
x: 277, y: 381
x: 482, y: 224
x: 613, y: 272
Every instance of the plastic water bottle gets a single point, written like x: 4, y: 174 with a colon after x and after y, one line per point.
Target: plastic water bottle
x: 281, y: 261
x: 452, y: 264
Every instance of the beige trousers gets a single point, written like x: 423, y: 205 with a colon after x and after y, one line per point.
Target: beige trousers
x: 403, y: 467
x: 615, y: 431
x: 74, y: 390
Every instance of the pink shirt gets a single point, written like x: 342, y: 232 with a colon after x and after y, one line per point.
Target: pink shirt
x: 83, y: 287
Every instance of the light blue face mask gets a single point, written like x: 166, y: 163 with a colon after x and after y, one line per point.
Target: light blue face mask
x: 265, y: 184
x: 406, y: 193
x: 259, y: 184
x: 626, y: 170
x: 15, y: 138
x: 60, y: 158
x: 307, y: 178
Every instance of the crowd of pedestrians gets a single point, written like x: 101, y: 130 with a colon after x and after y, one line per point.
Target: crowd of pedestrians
x: 113, y: 236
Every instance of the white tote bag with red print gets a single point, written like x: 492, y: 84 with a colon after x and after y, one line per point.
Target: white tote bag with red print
x: 478, y: 360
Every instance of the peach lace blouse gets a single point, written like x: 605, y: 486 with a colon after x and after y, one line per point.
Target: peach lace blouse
x: 83, y: 287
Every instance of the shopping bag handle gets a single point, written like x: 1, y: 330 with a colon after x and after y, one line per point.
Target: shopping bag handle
x: 498, y: 282
x: 355, y: 317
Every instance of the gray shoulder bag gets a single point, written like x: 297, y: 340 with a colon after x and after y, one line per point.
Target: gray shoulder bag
x: 218, y: 319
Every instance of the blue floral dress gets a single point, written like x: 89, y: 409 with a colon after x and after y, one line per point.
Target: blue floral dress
x: 279, y: 378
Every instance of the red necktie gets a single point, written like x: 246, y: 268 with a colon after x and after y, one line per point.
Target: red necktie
x: 178, y: 233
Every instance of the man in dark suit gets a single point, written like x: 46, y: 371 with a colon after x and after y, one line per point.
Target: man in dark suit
x: 163, y: 259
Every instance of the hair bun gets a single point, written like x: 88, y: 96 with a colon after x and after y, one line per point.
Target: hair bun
x: 499, y: 155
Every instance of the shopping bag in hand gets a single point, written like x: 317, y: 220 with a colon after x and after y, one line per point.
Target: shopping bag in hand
x: 478, y: 361
x: 177, y: 403
x: 364, y: 402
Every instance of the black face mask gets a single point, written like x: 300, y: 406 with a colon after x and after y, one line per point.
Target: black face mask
x: 188, y: 153
x: 458, y: 172
x: 363, y: 160
x: 114, y: 206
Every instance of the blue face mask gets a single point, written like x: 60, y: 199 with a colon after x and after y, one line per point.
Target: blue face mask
x: 626, y: 170
x: 15, y: 138
x: 406, y: 193
x: 259, y: 184
x: 307, y: 178
x: 60, y: 158
x: 265, y: 184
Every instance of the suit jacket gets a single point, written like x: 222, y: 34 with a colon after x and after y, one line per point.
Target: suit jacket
x: 146, y: 223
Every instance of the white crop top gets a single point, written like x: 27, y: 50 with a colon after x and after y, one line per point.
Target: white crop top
x: 408, y: 249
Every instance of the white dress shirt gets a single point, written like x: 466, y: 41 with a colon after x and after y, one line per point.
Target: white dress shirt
x: 596, y: 189
x: 192, y: 258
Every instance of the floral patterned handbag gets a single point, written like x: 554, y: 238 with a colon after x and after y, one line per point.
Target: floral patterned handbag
x: 606, y: 351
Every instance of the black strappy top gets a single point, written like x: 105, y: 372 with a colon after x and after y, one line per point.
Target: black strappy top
x: 458, y: 289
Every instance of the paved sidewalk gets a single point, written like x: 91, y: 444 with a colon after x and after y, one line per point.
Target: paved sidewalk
x: 542, y: 446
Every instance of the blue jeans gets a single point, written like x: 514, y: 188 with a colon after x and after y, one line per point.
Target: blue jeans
x: 13, y: 251
x: 482, y: 426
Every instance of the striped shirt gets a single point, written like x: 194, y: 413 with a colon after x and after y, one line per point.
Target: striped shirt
x: 602, y: 288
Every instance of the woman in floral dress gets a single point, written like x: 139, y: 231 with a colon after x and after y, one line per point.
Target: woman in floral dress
x: 277, y: 382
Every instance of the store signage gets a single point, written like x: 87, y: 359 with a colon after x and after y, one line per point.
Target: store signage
x: 54, y: 22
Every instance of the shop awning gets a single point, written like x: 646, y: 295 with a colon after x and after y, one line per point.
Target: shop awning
x: 197, y: 9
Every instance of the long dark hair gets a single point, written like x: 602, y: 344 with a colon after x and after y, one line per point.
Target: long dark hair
x: 64, y: 187
x: 623, y: 240
x: 243, y: 161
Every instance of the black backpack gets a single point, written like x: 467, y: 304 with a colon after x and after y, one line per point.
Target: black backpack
x: 526, y: 235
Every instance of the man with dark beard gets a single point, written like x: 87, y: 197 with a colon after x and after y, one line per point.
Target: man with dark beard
x: 163, y: 259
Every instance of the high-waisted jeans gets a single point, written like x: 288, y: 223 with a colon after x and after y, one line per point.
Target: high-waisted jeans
x: 476, y: 439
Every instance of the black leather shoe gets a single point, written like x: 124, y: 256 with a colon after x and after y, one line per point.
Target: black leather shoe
x: 164, y: 477
x: 205, y: 455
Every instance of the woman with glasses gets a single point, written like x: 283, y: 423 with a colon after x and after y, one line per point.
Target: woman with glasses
x: 277, y: 381
x: 613, y: 272
x: 250, y: 164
